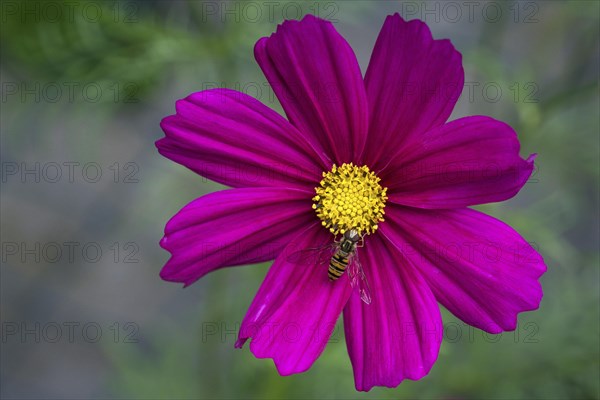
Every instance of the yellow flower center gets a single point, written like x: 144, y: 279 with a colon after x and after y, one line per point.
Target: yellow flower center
x: 350, y: 197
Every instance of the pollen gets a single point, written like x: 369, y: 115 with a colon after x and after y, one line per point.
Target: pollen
x: 350, y: 197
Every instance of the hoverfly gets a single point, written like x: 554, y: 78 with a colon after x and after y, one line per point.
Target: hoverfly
x: 341, y: 256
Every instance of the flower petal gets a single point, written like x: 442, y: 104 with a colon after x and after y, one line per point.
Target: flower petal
x: 398, y: 335
x: 317, y: 79
x: 233, y: 227
x: 412, y: 83
x: 235, y: 140
x: 472, y: 160
x: 479, y: 268
x: 296, y: 308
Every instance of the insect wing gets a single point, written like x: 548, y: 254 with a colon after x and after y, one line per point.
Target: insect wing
x: 313, y: 255
x: 358, y: 279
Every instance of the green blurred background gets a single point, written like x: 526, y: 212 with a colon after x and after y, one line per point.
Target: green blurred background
x: 531, y: 64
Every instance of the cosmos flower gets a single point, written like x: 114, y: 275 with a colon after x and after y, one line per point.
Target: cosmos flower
x: 373, y: 155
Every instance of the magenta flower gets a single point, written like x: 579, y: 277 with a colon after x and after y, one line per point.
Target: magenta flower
x: 373, y: 156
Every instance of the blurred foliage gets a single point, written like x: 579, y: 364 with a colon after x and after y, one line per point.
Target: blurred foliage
x: 129, y: 41
x: 170, y: 48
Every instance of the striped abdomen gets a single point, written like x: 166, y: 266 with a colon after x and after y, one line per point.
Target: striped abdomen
x: 337, y: 266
